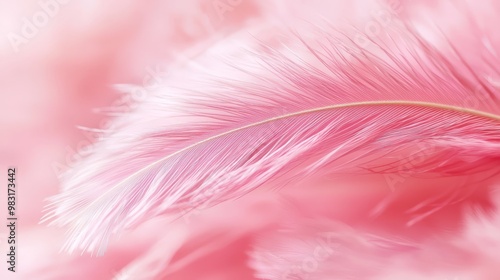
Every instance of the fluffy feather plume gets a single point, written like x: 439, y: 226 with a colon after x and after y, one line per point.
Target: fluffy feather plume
x: 310, y: 102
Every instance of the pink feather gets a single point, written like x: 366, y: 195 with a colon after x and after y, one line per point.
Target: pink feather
x: 302, y: 106
x: 295, y: 112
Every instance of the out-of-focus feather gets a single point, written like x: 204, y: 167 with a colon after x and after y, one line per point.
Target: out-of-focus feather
x: 319, y: 249
x: 314, y: 103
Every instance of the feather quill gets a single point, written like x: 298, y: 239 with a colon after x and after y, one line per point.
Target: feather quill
x: 314, y: 103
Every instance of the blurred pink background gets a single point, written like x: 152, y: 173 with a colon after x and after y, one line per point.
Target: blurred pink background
x: 54, y: 82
